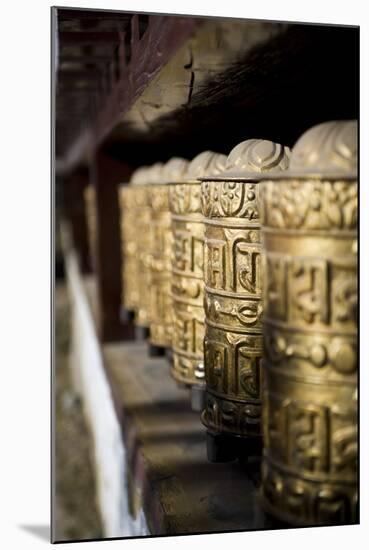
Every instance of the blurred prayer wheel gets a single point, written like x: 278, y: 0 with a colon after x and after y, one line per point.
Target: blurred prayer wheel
x: 233, y: 308
x: 309, y: 218
x: 142, y: 238
x: 90, y: 209
x: 160, y: 299
x: 187, y: 270
x: 128, y: 217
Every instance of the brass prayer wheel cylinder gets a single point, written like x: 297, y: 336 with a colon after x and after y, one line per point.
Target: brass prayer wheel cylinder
x: 310, y: 331
x: 161, y: 318
x: 188, y: 270
x: 90, y: 210
x: 129, y: 242
x: 233, y: 308
x: 142, y: 237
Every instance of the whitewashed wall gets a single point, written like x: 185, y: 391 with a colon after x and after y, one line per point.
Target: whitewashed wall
x: 92, y: 384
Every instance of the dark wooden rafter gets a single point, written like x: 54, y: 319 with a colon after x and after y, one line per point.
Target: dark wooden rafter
x: 67, y: 59
x: 105, y: 175
x: 88, y: 37
x: 105, y: 61
x: 92, y: 15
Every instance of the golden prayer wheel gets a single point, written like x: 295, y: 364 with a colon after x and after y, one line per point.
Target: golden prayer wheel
x: 128, y: 218
x: 309, y: 216
x: 233, y: 330
x: 160, y: 299
x: 90, y: 209
x: 142, y: 237
x: 188, y: 270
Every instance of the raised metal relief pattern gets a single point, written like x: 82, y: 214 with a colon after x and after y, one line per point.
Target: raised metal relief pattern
x: 315, y: 441
x: 130, y: 289
x: 160, y: 263
x: 188, y: 248
x: 310, y: 204
x: 304, y: 503
x: 143, y: 237
x: 223, y: 199
x: 234, y: 312
x: 187, y: 283
x: 310, y: 341
x: 185, y: 198
x: 232, y: 367
x: 232, y: 260
x: 323, y: 356
x: 311, y: 292
x: 310, y: 466
x: 224, y: 311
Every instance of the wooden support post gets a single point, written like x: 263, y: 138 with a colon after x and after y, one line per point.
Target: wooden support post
x: 75, y: 212
x: 106, y: 175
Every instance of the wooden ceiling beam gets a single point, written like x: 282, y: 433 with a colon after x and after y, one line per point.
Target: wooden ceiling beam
x: 92, y: 15
x: 88, y: 37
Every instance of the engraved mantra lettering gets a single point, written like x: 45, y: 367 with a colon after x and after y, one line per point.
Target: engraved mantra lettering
x: 312, y: 438
x: 306, y: 502
x: 233, y: 265
x: 188, y: 334
x: 187, y: 252
x: 187, y: 261
x: 297, y: 291
x: 232, y: 417
x: 233, y: 371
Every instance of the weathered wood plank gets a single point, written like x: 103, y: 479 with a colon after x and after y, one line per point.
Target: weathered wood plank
x: 179, y: 490
x: 106, y: 175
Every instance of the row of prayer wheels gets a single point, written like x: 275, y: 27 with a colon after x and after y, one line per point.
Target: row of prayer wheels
x: 245, y: 267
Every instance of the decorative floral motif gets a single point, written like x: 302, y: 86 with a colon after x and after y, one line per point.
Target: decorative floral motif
x: 309, y: 204
x: 185, y: 198
x: 222, y: 199
x: 230, y: 197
